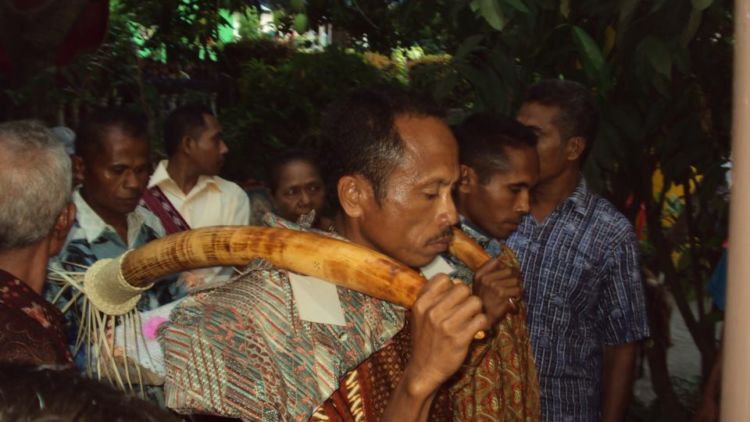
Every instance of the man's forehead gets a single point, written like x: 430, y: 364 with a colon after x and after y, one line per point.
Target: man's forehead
x: 430, y: 150
x: 425, y: 134
x: 538, y: 114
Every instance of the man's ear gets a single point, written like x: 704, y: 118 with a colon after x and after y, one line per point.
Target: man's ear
x: 468, y: 179
x: 186, y: 144
x: 61, y: 228
x: 354, y: 192
x: 78, y: 168
x: 574, y: 148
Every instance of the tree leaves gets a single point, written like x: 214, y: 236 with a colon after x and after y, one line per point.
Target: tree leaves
x: 701, y: 5
x: 658, y: 55
x: 491, y: 12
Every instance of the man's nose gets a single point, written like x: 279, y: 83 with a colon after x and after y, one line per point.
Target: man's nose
x: 304, y: 198
x: 131, y: 180
x: 448, y: 215
x: 523, y: 202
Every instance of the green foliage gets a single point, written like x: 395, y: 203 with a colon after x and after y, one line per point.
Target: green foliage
x: 280, y: 104
x: 184, y: 29
x: 233, y: 56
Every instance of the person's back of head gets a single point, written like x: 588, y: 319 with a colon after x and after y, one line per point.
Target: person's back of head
x: 484, y: 139
x: 360, y: 136
x: 578, y: 116
x: 30, y: 393
x: 35, y: 181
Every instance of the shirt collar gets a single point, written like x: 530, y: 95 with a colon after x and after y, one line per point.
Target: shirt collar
x: 490, y: 244
x: 94, y: 227
x: 161, y: 176
x: 579, y: 199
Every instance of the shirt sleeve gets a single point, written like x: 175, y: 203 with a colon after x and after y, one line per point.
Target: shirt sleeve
x: 623, y: 304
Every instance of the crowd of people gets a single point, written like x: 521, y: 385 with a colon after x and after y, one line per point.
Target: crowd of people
x: 390, y: 175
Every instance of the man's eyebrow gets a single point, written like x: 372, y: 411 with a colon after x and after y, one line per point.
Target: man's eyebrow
x: 440, y: 181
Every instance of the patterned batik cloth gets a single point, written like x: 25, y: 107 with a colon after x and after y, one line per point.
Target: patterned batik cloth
x: 31, y: 329
x: 498, y: 381
x: 582, y: 284
x: 241, y: 350
x: 91, y: 239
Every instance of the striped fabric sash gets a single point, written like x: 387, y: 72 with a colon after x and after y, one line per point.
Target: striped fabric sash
x: 158, y: 203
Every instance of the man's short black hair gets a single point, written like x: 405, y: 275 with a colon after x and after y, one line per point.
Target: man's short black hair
x: 187, y: 120
x: 95, y: 127
x: 273, y: 170
x: 578, y: 114
x: 483, y: 140
x: 360, y: 137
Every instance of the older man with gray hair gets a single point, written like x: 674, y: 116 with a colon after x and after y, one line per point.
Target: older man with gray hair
x: 35, y: 216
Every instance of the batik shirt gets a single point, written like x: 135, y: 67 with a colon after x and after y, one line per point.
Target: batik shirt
x: 91, y: 239
x: 582, y: 284
x: 242, y: 350
x: 31, y: 329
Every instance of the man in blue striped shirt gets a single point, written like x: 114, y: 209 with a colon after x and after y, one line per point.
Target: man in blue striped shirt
x: 580, y: 264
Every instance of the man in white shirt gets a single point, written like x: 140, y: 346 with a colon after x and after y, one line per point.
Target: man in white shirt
x: 189, y: 191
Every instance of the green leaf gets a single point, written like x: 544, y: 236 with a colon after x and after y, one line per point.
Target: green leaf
x: 696, y: 16
x: 297, y: 5
x: 591, y: 53
x: 491, y: 12
x: 468, y: 46
x: 300, y: 23
x: 518, y: 5
x: 565, y: 8
x: 701, y: 5
x: 658, y: 55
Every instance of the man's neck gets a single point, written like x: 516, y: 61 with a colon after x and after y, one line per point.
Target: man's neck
x: 550, y: 193
x: 183, y: 173
x: 117, y: 220
x: 29, y: 264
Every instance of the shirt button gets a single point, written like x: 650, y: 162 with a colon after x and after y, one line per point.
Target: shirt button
x: 343, y: 337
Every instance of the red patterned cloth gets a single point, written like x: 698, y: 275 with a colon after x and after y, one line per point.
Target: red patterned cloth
x: 498, y: 381
x: 31, y: 329
x: 158, y: 203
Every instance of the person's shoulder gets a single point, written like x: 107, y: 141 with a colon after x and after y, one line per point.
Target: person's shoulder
x: 229, y: 187
x: 605, y: 217
x: 151, y: 221
x: 24, y: 339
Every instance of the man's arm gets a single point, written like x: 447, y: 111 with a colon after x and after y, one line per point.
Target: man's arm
x: 625, y: 324
x: 619, y: 367
x: 708, y: 411
x: 445, y: 318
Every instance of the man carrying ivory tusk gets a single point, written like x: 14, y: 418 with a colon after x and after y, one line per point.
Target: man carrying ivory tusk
x: 252, y: 349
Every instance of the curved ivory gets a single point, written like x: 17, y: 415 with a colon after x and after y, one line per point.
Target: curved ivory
x: 467, y: 250
x: 343, y: 263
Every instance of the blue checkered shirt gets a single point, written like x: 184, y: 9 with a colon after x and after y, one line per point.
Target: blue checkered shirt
x: 582, y: 284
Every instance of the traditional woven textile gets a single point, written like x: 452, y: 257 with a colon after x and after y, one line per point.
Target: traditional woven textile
x: 158, y: 203
x: 498, y: 382
x: 242, y: 350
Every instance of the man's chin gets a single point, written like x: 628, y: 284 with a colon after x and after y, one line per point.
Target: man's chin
x: 420, y: 261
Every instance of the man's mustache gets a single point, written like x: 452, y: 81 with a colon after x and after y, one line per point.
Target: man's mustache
x: 445, y: 233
